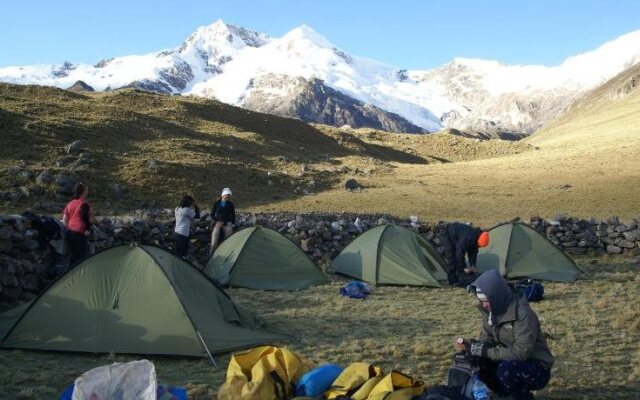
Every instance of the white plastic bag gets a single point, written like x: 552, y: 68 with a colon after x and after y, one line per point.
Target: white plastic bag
x: 130, y: 381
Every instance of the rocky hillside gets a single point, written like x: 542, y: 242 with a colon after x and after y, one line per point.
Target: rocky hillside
x: 139, y: 149
x: 314, y: 101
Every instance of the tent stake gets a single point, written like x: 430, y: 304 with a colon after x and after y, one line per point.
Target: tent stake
x: 206, y: 349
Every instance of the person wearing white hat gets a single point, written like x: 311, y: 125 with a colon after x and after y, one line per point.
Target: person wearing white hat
x: 223, y: 215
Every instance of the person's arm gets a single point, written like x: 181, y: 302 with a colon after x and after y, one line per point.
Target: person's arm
x: 524, y: 332
x: 460, y: 253
x: 84, y: 215
x: 197, y: 214
x: 472, y: 253
x: 65, y: 217
x: 486, y: 336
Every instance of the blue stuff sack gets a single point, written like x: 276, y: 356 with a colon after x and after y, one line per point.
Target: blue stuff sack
x: 355, y: 290
x: 318, y: 380
x: 164, y: 392
x: 532, y: 291
x: 68, y: 393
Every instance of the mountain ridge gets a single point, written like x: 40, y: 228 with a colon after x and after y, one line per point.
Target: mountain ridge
x: 223, y: 61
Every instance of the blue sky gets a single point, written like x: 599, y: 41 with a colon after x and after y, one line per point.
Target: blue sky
x: 405, y: 33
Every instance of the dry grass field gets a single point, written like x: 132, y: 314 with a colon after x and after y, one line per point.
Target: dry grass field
x: 592, y: 327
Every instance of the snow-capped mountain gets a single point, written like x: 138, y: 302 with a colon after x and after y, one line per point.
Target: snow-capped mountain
x: 304, y: 75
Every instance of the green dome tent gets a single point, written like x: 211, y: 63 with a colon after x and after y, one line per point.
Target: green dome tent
x: 391, y: 255
x: 137, y: 300
x: 260, y: 258
x: 518, y: 251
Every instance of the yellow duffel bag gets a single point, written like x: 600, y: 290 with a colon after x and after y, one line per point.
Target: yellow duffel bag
x: 355, y: 382
x: 262, y: 373
x: 396, y: 386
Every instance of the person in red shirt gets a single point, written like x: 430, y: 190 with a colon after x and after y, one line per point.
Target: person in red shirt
x: 76, y: 217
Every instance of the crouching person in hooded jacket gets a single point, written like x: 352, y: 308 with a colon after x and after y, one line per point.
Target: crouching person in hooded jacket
x: 514, y: 356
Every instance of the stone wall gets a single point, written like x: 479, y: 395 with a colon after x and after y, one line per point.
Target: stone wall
x: 28, y: 262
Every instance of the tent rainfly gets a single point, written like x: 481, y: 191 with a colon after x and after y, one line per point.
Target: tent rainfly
x: 260, y: 258
x: 518, y: 251
x: 133, y: 299
x: 391, y: 255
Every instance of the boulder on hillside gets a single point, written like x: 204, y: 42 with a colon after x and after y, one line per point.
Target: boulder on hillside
x: 44, y: 177
x: 66, y: 183
x: 75, y: 147
x: 351, y: 184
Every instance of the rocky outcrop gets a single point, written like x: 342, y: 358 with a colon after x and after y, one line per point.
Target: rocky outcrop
x: 80, y: 87
x: 314, y: 101
x: 28, y: 263
x: 155, y: 86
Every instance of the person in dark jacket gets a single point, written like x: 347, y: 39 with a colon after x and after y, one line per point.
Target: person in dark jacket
x: 223, y: 215
x: 514, y: 356
x: 76, y: 218
x: 460, y: 240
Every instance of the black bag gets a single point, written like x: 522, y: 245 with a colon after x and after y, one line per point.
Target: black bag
x: 460, y: 374
x: 441, y: 392
x: 459, y: 377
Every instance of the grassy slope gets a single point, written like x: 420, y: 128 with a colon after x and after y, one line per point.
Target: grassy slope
x: 586, y: 164
x: 589, y: 325
x: 201, y: 146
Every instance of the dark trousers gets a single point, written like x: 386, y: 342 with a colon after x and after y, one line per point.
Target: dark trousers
x: 182, y: 245
x: 78, y: 245
x: 514, y: 378
x: 455, y: 272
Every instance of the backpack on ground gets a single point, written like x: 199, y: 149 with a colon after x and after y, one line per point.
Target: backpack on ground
x: 459, y: 379
x: 531, y: 290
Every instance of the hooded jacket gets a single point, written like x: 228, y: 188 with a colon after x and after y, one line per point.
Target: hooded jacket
x: 514, y: 331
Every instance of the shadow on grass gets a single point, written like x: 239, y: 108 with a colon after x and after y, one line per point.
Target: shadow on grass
x: 121, y: 131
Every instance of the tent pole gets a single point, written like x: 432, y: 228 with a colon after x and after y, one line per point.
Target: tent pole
x: 206, y: 350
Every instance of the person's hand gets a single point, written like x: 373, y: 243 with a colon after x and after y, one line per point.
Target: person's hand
x: 219, y: 224
x: 478, y: 349
x: 470, y: 270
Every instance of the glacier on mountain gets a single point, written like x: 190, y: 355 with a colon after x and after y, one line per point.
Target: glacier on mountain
x: 237, y: 66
